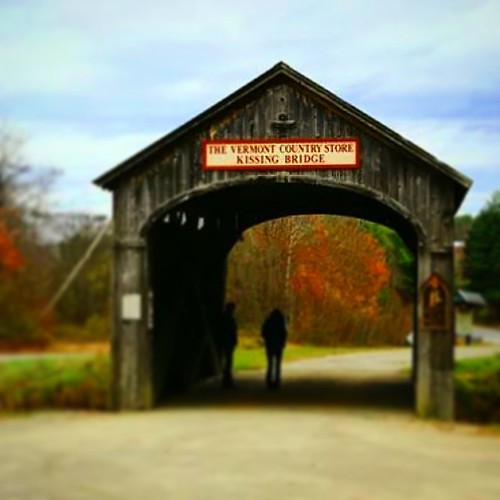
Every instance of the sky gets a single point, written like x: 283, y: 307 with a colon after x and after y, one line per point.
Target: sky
x: 88, y: 84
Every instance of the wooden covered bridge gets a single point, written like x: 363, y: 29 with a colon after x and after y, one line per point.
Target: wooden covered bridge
x: 281, y: 145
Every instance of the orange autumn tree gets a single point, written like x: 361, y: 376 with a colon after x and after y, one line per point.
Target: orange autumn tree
x: 341, y: 271
x: 10, y: 257
x: 23, y: 254
x: 330, y: 275
x: 11, y: 264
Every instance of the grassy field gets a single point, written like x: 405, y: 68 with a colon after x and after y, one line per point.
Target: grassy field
x: 82, y: 382
x: 477, y: 389
x: 68, y: 382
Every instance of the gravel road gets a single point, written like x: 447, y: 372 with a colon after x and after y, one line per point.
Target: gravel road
x: 340, y: 428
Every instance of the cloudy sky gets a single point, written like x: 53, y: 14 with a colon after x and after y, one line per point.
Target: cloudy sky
x: 90, y: 83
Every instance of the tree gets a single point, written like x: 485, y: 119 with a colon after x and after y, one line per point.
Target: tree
x: 10, y: 257
x: 399, y: 258
x: 340, y: 275
x: 338, y: 280
x: 25, y: 260
x: 23, y: 189
x: 463, y: 224
x: 89, y: 294
x: 12, y: 168
x: 482, y: 254
x: 38, y: 251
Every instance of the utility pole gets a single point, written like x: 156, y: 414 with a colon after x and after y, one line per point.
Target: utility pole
x: 76, y: 270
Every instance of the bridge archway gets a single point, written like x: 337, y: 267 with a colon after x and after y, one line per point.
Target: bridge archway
x: 189, y: 241
x: 176, y: 222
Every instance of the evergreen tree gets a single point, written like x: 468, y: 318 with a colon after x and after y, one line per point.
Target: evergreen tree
x: 483, y: 253
x: 463, y: 223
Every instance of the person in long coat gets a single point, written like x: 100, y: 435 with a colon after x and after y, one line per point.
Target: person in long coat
x: 274, y: 334
x: 227, y: 343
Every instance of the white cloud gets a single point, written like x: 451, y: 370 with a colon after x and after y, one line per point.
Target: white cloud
x: 184, y: 89
x: 81, y: 158
x: 40, y: 56
x: 88, y: 199
x: 394, y: 46
x: 438, y: 46
x: 83, y: 155
x: 470, y: 146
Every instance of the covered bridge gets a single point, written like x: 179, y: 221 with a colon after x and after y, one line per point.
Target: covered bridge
x: 180, y: 204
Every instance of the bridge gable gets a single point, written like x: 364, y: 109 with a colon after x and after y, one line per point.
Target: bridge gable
x: 282, y: 102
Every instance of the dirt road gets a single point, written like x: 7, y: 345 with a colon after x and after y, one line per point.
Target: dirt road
x: 323, y: 436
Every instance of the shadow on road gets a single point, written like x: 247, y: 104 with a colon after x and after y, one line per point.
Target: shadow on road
x: 379, y: 393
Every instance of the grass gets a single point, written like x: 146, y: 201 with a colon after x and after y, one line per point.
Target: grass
x: 82, y: 382
x: 69, y: 382
x: 477, y: 389
x: 478, y: 365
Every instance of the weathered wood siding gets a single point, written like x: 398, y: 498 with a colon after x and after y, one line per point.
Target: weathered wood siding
x: 189, y: 285
x: 391, y: 175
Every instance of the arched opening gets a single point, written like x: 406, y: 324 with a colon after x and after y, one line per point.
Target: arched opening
x: 189, y: 242
x: 385, y: 179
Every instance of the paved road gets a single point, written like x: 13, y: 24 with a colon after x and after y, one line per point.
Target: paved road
x: 327, y: 434
x: 490, y: 335
x: 381, y: 362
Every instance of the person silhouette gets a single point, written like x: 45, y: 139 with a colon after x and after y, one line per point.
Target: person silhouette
x: 228, y: 343
x: 274, y: 334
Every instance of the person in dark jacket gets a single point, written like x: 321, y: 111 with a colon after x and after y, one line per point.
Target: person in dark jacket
x: 228, y: 343
x: 274, y: 334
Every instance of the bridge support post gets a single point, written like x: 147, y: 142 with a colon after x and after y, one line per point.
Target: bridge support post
x: 131, y: 352
x: 434, y: 384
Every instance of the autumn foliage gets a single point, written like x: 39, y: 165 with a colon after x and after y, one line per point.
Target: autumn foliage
x: 10, y: 257
x: 38, y: 250
x: 22, y: 267
x: 32, y: 269
x: 331, y: 275
x: 334, y: 273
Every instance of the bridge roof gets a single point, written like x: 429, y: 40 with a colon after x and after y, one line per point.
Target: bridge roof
x: 283, y: 73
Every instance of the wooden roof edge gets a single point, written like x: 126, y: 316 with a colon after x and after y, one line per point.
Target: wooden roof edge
x: 378, y: 127
x: 107, y: 179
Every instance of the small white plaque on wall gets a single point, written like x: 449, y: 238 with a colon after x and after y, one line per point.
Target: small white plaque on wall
x: 131, y: 306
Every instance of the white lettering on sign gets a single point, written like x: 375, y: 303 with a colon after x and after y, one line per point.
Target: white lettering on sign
x: 280, y: 154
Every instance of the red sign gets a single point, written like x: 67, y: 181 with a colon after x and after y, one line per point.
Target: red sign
x: 280, y: 154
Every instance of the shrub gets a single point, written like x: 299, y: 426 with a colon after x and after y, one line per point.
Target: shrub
x: 69, y: 382
x: 95, y: 329
x: 477, y: 386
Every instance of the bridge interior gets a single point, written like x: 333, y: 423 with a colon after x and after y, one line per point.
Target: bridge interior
x: 188, y: 247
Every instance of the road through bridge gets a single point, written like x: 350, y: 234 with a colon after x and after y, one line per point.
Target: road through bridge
x: 341, y: 427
